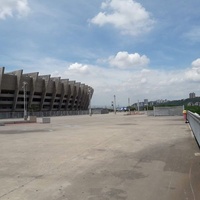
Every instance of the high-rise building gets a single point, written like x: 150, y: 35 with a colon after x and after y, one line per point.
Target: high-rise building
x: 192, y: 95
x: 145, y: 102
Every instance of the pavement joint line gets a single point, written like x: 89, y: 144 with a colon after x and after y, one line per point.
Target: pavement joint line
x: 19, y: 187
x: 192, y: 134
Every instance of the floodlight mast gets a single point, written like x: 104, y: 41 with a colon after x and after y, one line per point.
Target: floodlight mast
x: 25, y: 103
x: 114, y: 105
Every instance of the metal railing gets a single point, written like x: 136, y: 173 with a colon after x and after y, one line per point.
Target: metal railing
x: 194, y: 120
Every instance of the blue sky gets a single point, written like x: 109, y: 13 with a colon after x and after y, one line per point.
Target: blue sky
x: 131, y: 49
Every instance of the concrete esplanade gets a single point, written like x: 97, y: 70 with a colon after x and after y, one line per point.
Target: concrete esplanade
x: 103, y: 157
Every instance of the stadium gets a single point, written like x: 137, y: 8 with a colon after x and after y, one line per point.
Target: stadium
x: 32, y: 92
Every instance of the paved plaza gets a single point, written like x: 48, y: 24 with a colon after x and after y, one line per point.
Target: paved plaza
x: 99, y: 157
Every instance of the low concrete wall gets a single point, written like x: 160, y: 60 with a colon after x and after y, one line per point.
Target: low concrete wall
x: 32, y: 119
x: 168, y: 111
x: 46, y: 120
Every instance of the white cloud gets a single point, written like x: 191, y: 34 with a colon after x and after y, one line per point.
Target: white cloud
x: 79, y: 68
x: 124, y: 60
x: 193, y: 73
x: 137, y: 85
x: 196, y: 64
x: 126, y: 15
x: 10, y: 8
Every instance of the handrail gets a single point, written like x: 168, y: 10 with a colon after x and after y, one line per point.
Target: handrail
x: 194, y: 121
x: 194, y: 115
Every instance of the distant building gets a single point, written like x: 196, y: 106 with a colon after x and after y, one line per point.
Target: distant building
x: 192, y: 95
x: 152, y: 103
x: 190, y: 104
x: 146, y: 102
x: 161, y: 101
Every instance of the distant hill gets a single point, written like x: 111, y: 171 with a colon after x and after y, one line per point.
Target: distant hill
x: 180, y: 102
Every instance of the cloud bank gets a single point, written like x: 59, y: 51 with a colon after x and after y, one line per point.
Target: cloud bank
x: 193, y: 74
x: 134, y: 83
x: 126, y: 15
x: 11, y: 8
x: 79, y: 68
x: 124, y: 60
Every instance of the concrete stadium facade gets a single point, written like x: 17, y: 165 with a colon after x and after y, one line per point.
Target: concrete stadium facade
x: 41, y: 93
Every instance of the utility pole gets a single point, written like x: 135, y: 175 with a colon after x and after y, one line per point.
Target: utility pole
x: 114, y: 105
x: 129, y: 106
x: 25, y: 107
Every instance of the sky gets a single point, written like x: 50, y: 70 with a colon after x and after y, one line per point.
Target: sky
x: 131, y: 49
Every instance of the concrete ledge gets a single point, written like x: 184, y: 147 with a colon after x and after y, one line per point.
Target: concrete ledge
x: 15, y: 121
x: 46, y: 120
x: 32, y: 119
x: 2, y: 124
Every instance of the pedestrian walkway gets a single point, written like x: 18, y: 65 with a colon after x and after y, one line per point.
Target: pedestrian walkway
x: 103, y: 157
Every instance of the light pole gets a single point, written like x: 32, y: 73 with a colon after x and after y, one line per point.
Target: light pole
x: 129, y: 106
x: 114, y: 105
x: 89, y: 107
x: 138, y: 105
x: 25, y: 110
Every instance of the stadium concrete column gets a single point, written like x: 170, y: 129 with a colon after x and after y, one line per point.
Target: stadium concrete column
x: 1, y: 76
x: 71, y: 99
x: 80, y: 104
x: 67, y: 93
x: 85, y: 98
x: 18, y: 75
x: 75, y: 93
x: 59, y: 94
x: 53, y: 95
x: 90, y: 96
x: 46, y: 79
x: 78, y: 90
x: 62, y: 96
x: 32, y: 84
x: 56, y: 91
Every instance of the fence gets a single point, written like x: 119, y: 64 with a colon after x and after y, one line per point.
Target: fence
x: 166, y: 111
x: 7, y: 115
x: 194, y: 120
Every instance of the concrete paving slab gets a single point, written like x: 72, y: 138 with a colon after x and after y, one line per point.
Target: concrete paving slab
x: 103, y: 157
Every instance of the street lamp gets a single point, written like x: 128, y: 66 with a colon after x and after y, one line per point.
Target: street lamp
x: 89, y: 107
x: 25, y: 109
x: 129, y: 106
x: 114, y: 105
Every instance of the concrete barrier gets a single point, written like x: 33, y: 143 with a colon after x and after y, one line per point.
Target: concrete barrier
x: 2, y: 124
x: 46, y: 120
x: 32, y: 119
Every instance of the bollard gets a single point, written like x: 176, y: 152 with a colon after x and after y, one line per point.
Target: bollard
x: 185, y: 115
